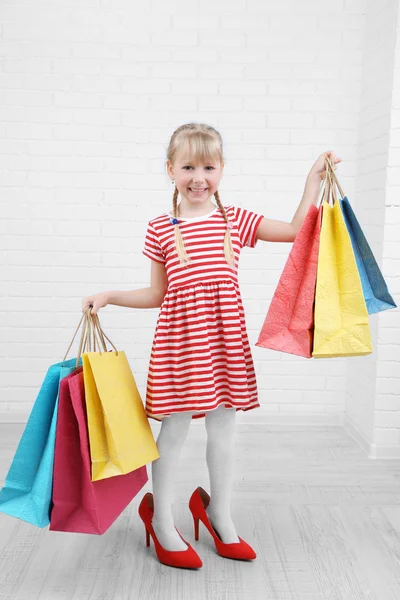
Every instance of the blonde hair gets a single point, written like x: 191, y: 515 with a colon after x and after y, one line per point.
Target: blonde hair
x: 203, y: 143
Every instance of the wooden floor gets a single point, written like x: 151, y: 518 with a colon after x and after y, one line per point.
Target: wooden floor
x: 323, y: 518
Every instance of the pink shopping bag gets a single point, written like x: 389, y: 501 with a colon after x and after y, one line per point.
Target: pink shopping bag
x: 78, y: 504
x: 289, y: 323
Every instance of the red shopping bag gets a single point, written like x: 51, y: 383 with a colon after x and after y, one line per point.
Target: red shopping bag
x: 289, y: 323
x: 78, y: 504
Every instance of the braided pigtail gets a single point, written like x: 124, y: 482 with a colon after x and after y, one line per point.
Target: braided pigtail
x: 228, y: 248
x: 179, y: 243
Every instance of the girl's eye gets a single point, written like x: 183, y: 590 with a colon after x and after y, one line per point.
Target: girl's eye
x: 188, y: 167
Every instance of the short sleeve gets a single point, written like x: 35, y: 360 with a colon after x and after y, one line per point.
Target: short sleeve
x: 152, y: 247
x: 247, y: 223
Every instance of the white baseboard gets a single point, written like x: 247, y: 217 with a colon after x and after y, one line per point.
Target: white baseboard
x: 258, y: 417
x: 251, y: 417
x: 372, y: 450
x: 274, y: 420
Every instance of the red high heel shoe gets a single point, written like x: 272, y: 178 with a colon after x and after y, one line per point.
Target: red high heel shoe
x: 198, y: 503
x: 188, y: 559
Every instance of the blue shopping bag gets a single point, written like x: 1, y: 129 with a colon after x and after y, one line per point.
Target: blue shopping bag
x: 28, y: 486
x: 375, y: 291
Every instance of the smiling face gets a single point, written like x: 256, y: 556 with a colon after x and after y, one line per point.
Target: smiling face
x: 196, y: 180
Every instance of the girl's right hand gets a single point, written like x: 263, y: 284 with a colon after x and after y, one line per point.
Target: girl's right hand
x: 97, y: 301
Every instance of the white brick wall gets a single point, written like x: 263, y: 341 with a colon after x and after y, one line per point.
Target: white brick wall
x: 387, y: 405
x: 373, y: 390
x: 90, y: 95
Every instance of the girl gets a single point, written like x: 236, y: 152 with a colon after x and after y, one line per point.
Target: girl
x: 201, y: 363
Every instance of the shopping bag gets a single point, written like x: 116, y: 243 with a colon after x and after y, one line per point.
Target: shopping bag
x: 121, y: 439
x: 27, y: 491
x: 341, y: 326
x: 375, y: 290
x: 289, y: 323
x: 78, y: 504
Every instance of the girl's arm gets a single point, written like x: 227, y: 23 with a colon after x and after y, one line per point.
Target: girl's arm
x: 150, y: 297
x: 271, y: 230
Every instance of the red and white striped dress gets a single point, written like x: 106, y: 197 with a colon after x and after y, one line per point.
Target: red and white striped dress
x: 201, y: 355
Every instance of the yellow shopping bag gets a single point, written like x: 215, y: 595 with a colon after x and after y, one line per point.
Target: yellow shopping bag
x: 341, y: 326
x: 120, y: 436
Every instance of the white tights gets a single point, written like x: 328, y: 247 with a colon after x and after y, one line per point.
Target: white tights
x: 220, y: 427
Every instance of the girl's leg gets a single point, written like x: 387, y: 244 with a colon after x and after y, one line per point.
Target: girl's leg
x: 220, y: 426
x: 174, y: 430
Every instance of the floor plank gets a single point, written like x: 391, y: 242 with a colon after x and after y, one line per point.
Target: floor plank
x: 323, y: 518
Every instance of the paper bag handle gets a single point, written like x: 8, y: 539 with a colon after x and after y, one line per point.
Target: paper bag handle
x: 334, y: 176
x: 91, y: 328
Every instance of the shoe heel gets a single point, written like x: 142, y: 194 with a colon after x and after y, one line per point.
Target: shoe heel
x: 185, y: 559
x: 196, y: 528
x: 198, y: 504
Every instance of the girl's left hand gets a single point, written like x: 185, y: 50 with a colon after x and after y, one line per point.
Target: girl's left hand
x: 318, y: 168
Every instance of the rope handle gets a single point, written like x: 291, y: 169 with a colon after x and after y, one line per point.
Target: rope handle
x: 92, y: 335
x: 324, y: 190
x: 334, y: 176
x: 328, y: 187
x: 332, y: 196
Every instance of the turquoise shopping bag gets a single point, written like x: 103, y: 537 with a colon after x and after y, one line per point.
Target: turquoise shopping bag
x: 28, y: 486
x: 375, y: 290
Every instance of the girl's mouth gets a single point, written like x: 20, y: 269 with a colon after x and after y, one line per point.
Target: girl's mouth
x: 198, y: 192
